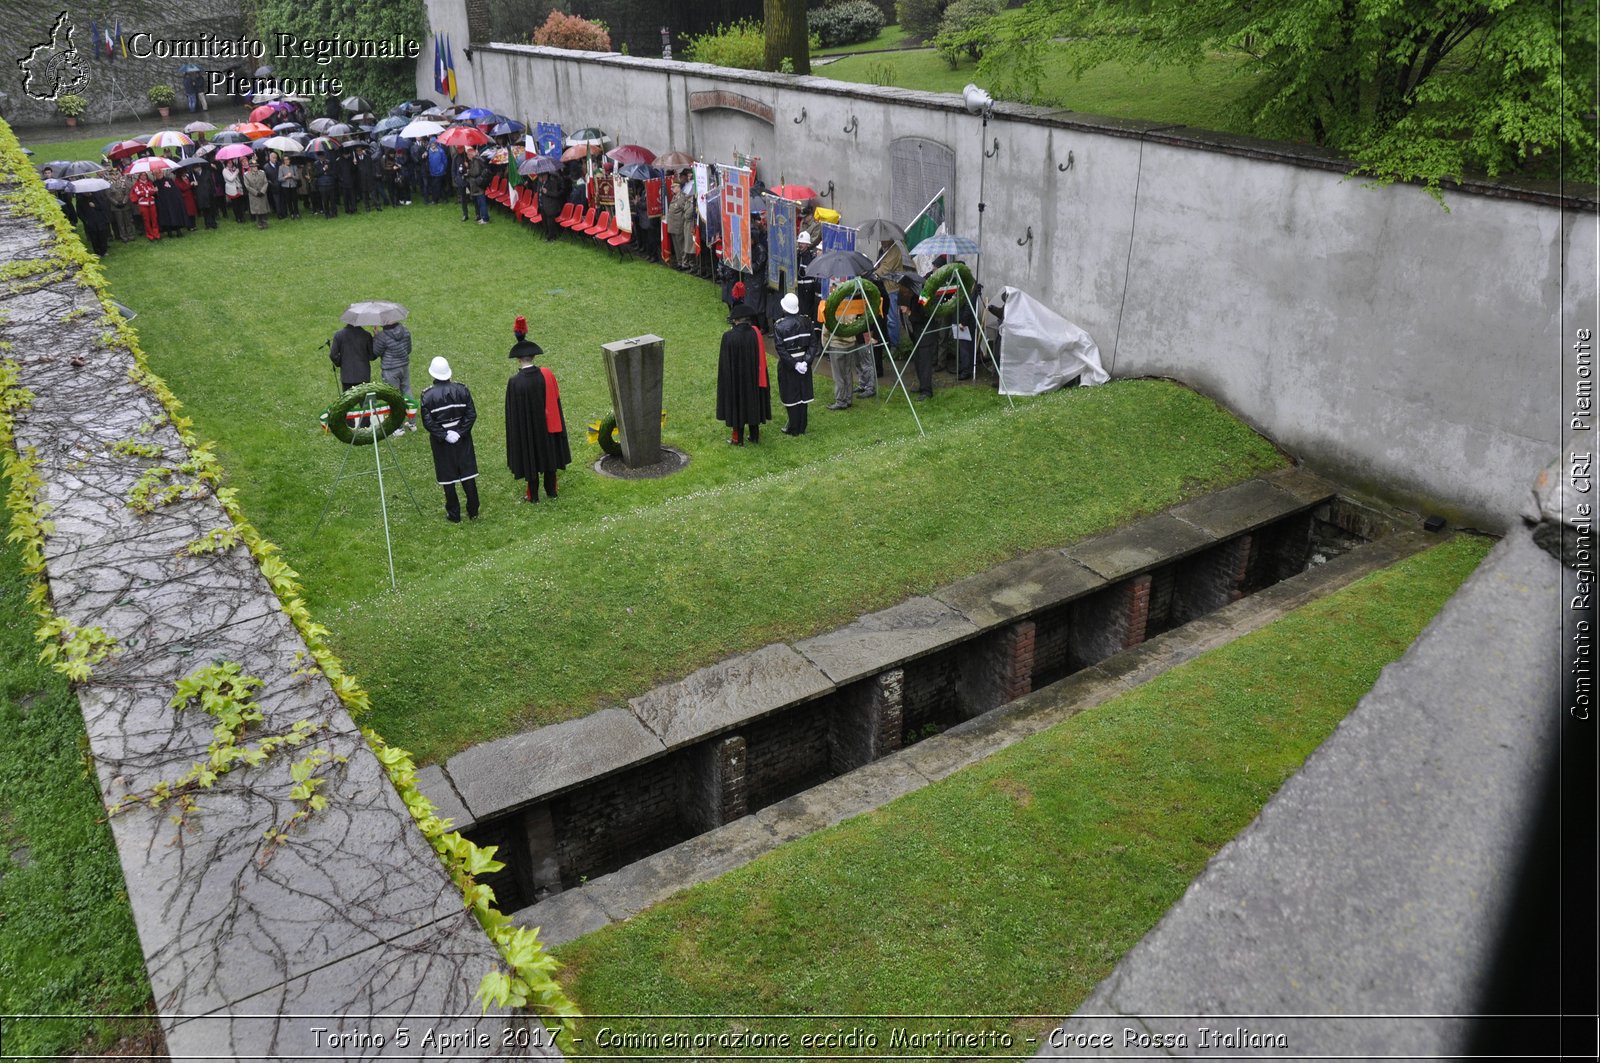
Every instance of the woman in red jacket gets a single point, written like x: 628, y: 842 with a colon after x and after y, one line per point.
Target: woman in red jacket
x: 143, y: 195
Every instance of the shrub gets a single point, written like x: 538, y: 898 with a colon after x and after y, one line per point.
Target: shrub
x: 741, y: 45
x: 920, y: 18
x: 846, y: 23
x: 72, y: 105
x: 968, y: 27
x: 161, y: 95
x: 562, y: 30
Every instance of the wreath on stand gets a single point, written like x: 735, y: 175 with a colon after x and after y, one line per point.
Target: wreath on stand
x: 389, y: 407
x: 942, y: 282
x: 854, y: 288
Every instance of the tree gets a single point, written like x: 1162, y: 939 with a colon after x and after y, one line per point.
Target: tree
x: 787, y: 36
x: 383, y: 81
x: 1408, y: 89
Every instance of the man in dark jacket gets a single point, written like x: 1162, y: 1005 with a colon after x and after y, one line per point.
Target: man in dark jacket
x: 743, y: 395
x: 448, y: 416
x: 352, y: 354
x: 477, y: 185
x: 552, y: 197
x: 536, y: 430
x: 796, y: 355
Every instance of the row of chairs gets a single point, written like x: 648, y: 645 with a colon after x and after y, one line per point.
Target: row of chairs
x: 602, y: 229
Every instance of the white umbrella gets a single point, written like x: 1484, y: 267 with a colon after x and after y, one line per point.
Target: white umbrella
x: 91, y: 184
x: 169, y: 138
x: 282, y: 144
x: 374, y: 312
x: 151, y: 165
x: 420, y: 128
x: 199, y: 127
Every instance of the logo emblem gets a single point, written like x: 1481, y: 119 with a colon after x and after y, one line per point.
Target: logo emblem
x: 54, y: 68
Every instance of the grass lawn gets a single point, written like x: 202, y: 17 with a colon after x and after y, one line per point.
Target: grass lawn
x: 67, y: 942
x: 891, y: 36
x: 1013, y: 887
x: 539, y: 613
x: 1197, y: 98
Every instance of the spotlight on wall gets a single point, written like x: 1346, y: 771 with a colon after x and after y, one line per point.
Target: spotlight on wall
x: 977, y: 101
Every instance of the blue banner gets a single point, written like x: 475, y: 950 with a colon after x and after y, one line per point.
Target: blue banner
x: 838, y: 237
x: 549, y: 138
x: 782, y: 267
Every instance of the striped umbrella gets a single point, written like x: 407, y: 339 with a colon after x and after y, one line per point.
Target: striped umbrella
x: 323, y: 144
x: 946, y: 244
x: 154, y: 164
x: 170, y: 138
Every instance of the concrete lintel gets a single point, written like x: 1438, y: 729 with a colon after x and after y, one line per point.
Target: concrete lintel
x: 729, y: 693
x: 1024, y: 585
x: 1238, y: 509
x: 436, y: 786
x: 885, y: 639
x: 1139, y: 547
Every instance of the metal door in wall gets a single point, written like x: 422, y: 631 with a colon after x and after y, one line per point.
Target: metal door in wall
x: 918, y: 168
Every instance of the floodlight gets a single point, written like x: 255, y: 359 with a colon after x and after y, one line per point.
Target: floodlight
x: 977, y: 101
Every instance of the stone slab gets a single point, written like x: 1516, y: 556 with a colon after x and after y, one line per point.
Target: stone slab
x: 1303, y: 485
x: 632, y: 889
x: 564, y: 917
x: 223, y: 916
x: 1019, y: 587
x: 267, y: 641
x: 1375, y: 879
x: 510, y: 772
x: 1238, y: 509
x: 437, y: 787
x: 1140, y: 546
x: 77, y: 527
x: 729, y: 693
x: 422, y: 981
x: 885, y: 639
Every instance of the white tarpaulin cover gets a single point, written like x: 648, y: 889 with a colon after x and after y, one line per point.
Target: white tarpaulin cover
x: 1040, y: 350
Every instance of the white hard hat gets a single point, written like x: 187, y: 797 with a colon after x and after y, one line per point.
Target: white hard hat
x: 790, y: 303
x: 439, y: 369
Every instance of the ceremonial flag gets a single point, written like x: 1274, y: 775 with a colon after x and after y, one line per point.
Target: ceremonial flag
x: 449, y: 69
x: 550, y: 139
x: 736, y: 185
x: 621, y: 206
x: 439, y: 84
x: 838, y: 237
x: 94, y: 37
x: 927, y: 222
x: 747, y: 162
x: 122, y: 42
x: 652, y: 197
x: 782, y: 264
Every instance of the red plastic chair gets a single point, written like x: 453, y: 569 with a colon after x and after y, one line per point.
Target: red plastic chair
x: 564, y: 219
x: 620, y: 238
x: 600, y: 225
x: 584, y: 222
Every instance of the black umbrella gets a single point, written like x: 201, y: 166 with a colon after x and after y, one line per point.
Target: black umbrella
x: 355, y: 104
x: 412, y: 107
x: 639, y: 171
x: 82, y: 168
x: 839, y: 264
x: 229, y: 136
x: 338, y: 129
x: 191, y: 160
x: 539, y: 164
x: 190, y: 68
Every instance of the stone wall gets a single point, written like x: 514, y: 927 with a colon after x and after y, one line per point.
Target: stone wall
x: 1404, y: 349
x: 116, y: 87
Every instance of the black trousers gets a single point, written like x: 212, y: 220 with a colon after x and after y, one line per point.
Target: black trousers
x: 799, y: 417
x: 452, y: 504
x: 549, y: 486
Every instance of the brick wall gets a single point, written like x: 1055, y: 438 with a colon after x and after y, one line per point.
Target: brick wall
x: 1108, y: 622
x: 787, y: 753
x: 867, y: 721
x: 616, y: 820
x: 1211, y: 579
x: 931, y: 694
x: 996, y: 668
x: 715, y: 783
x: 1052, y: 650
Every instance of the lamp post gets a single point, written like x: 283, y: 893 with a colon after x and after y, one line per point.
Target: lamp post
x: 980, y: 103
x: 666, y: 43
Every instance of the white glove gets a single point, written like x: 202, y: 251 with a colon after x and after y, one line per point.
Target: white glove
x: 800, y: 367
x: 452, y: 436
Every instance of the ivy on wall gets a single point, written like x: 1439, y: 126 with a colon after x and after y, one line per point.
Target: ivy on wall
x: 385, y: 82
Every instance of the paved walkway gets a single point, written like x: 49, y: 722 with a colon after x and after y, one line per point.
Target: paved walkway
x: 250, y: 947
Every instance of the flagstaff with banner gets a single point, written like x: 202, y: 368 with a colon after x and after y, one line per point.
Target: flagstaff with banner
x: 736, y: 189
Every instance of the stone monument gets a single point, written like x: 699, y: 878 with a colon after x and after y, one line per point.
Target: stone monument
x: 635, y: 369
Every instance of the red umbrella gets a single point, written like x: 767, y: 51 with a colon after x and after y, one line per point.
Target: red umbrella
x: 253, y: 130
x: 126, y: 148
x: 462, y: 136
x: 578, y: 151
x: 262, y: 113
x: 631, y: 153
x: 235, y: 151
x: 151, y: 165
x: 798, y: 193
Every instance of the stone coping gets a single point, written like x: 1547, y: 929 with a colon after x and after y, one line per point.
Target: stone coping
x: 499, y: 777
x: 353, y: 913
x: 1570, y: 195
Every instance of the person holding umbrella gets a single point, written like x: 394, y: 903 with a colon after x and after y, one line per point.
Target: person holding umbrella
x: 94, y: 213
x: 536, y: 431
x: 351, y: 352
x: 448, y: 416
x: 120, y: 206
x: 143, y: 195
x: 392, y: 345
x: 256, y: 186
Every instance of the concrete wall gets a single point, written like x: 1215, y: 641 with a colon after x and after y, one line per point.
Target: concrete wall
x: 1400, y: 347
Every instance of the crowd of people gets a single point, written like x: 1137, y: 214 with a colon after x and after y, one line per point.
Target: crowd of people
x: 286, y: 166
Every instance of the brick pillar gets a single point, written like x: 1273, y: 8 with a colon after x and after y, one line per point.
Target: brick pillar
x: 1212, y: 579
x: 1108, y: 622
x: 868, y: 722
x: 996, y: 669
x: 539, y: 839
x: 717, y: 790
x: 1286, y: 553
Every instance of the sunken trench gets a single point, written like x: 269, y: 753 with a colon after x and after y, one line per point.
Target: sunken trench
x: 577, y: 800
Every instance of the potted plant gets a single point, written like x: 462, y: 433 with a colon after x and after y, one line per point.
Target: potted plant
x: 71, y: 106
x: 162, y: 96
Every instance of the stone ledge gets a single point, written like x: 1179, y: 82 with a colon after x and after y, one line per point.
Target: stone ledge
x: 884, y: 639
x: 1024, y: 585
x: 732, y: 692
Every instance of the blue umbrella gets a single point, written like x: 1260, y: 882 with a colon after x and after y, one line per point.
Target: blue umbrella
x: 639, y: 171
x: 946, y: 244
x: 475, y: 114
x: 395, y: 143
x: 507, y: 127
x: 392, y: 122
x: 539, y: 164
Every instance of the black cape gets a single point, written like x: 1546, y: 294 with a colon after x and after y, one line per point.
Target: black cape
x: 447, y: 406
x: 171, y: 214
x: 531, y: 447
x: 741, y: 399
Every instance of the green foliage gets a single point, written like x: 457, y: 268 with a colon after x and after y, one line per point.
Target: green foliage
x: 161, y: 95
x: 1022, y: 880
x: 849, y: 22
x: 1429, y: 92
x: 561, y: 30
x: 920, y: 18
x: 741, y: 45
x: 72, y: 105
x: 383, y: 81
x: 967, y: 29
